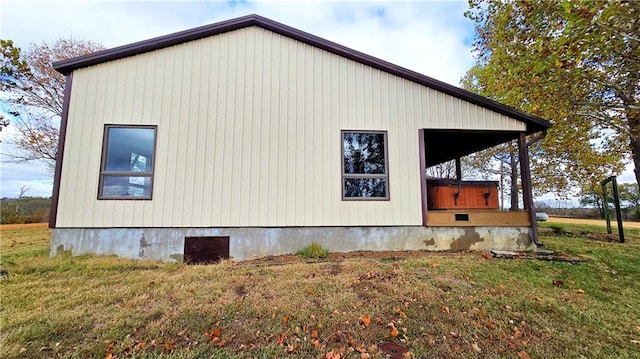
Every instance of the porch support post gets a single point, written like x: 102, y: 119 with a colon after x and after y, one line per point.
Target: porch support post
x: 458, y: 169
x: 527, y: 191
x: 423, y: 175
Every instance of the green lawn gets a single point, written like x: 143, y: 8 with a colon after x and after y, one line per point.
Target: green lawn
x: 438, y: 305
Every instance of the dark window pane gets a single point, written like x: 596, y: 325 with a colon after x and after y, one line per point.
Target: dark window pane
x: 129, y: 149
x: 363, y: 153
x: 126, y: 186
x: 365, y: 187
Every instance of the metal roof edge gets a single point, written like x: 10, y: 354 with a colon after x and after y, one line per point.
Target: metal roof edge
x: 68, y: 66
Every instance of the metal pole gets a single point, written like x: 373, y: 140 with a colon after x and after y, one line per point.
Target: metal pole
x: 616, y: 201
x: 605, y: 206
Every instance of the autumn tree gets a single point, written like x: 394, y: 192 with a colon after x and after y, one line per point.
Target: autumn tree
x: 34, y: 91
x: 593, y: 197
x: 575, y: 63
x: 630, y: 199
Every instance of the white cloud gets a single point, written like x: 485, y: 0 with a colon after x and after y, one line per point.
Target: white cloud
x: 627, y: 176
x: 32, y: 175
x: 428, y: 37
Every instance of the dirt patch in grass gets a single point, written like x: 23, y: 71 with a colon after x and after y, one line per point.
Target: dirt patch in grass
x: 592, y: 222
x: 382, y: 256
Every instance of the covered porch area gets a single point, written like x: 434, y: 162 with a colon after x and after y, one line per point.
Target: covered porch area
x: 457, y: 202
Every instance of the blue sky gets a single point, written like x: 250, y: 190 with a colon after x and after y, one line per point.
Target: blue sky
x: 430, y: 37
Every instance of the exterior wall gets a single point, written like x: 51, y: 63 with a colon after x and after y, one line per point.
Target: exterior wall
x: 167, y: 244
x: 249, y: 135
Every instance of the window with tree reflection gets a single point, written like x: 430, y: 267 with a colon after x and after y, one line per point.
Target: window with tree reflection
x: 126, y: 171
x: 364, y: 165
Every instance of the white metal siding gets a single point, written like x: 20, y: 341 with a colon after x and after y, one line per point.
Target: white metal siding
x: 249, y: 134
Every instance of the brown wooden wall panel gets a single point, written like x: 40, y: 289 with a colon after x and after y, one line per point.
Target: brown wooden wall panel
x: 475, y: 195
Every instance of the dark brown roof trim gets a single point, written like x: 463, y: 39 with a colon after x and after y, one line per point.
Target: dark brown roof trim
x: 534, y: 123
x: 53, y: 211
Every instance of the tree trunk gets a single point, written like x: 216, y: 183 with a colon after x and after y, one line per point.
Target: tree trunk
x: 514, y: 179
x: 635, y: 155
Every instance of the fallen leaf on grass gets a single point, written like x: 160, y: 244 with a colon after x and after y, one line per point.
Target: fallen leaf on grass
x: 291, y: 348
x: 138, y: 346
x: 517, y: 333
x: 283, y: 336
x: 486, y: 255
x: 538, y: 299
x: 394, y: 332
x: 580, y: 291
x: 476, y: 347
x: 333, y: 355
x: 435, y: 265
x: 168, y: 347
x: 431, y: 339
x: 314, y: 333
x: 219, y: 343
x: 109, y: 354
x: 212, y: 334
x: 446, y: 309
x: 523, y: 355
x: 558, y: 283
x: 365, y: 321
x: 400, y: 312
x: 360, y: 349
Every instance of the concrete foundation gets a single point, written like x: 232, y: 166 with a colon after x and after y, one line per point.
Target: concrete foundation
x: 167, y: 244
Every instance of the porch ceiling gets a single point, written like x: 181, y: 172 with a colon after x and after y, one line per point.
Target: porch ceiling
x: 446, y: 145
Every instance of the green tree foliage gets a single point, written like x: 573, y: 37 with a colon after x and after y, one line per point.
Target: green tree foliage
x: 630, y: 199
x: 11, y: 66
x: 628, y: 194
x: 592, y: 197
x: 34, y: 92
x: 575, y: 63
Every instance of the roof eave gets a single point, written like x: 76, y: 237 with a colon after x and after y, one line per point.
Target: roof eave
x: 534, y: 123
x: 156, y: 43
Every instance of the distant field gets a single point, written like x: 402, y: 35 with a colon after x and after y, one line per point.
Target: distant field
x: 23, y: 225
x: 592, y: 222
